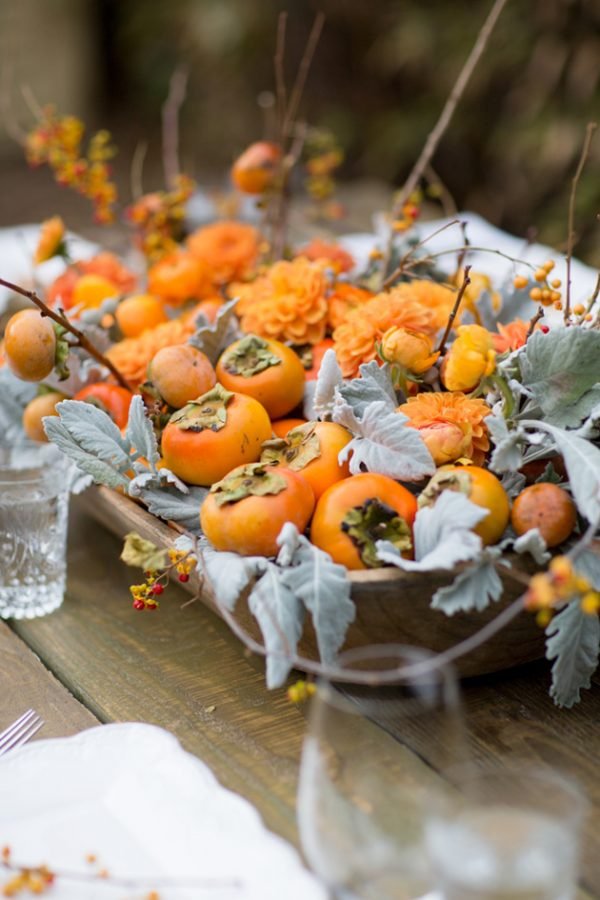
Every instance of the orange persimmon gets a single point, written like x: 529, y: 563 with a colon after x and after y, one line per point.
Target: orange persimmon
x: 548, y: 508
x: 30, y: 345
x: 353, y: 514
x: 314, y: 356
x: 246, y: 511
x: 313, y: 450
x: 282, y: 426
x: 110, y: 398
x: 212, y: 435
x: 36, y: 410
x: 482, y: 488
x: 180, y: 374
x: 254, y: 171
x: 138, y: 313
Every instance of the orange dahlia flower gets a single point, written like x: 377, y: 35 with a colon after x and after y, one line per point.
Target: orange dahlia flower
x: 511, y: 336
x: 288, y: 303
x: 434, y: 297
x: 106, y: 265
x: 470, y: 358
x: 357, y: 338
x: 51, y: 239
x: 337, y: 258
x: 179, y: 277
x: 229, y: 249
x: 345, y: 298
x: 132, y: 355
x: 451, y: 424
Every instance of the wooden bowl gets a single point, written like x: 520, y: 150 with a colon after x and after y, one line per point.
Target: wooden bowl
x: 391, y: 606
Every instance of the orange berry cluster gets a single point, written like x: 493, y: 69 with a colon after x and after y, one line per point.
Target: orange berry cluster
x: 301, y: 691
x: 145, y: 595
x: 158, y: 218
x: 411, y: 210
x: 56, y: 142
x: 560, y: 584
x: 33, y: 880
x: 546, y: 292
x: 322, y: 156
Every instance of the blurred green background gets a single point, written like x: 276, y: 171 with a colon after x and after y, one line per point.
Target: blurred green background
x: 381, y: 74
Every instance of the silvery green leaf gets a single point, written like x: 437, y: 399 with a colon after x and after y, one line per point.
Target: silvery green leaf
x: 280, y: 615
x: 140, y: 432
x: 323, y: 587
x: 383, y: 442
x: 533, y: 543
x: 329, y: 378
x: 169, y: 477
x: 229, y: 573
x: 212, y: 339
x: 15, y: 395
x: 142, y: 481
x: 507, y: 455
x: 582, y: 461
x: 95, y: 316
x: 442, y: 535
x: 102, y: 472
x: 513, y: 483
x: 374, y: 384
x: 588, y: 564
x: 170, y: 504
x: 95, y: 432
x: 475, y: 588
x: 572, y: 641
x: 559, y: 368
x: 80, y: 481
x: 589, y: 429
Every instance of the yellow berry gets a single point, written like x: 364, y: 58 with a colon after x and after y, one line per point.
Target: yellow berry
x: 540, y: 275
x: 520, y: 282
x: 556, y: 283
x: 543, y: 617
x: 555, y: 295
x: 557, y: 304
x: 579, y: 309
x: 548, y: 265
x: 590, y: 603
x: 535, y: 293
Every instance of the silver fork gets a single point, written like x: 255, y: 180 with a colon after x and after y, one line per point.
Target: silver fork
x: 21, y: 731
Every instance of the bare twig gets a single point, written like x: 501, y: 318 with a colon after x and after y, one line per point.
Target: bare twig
x: 465, y: 249
x: 461, y: 292
x: 445, y: 197
x: 533, y: 321
x: 170, y: 124
x: 282, y: 210
x: 437, y: 132
x: 81, y: 339
x: 589, y: 136
x: 137, y: 169
x: 513, y: 259
x: 400, y: 268
x: 278, y: 65
x: 303, y: 69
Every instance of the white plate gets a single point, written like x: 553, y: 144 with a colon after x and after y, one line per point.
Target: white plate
x: 130, y: 795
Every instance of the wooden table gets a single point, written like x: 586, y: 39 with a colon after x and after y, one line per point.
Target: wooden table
x: 97, y: 660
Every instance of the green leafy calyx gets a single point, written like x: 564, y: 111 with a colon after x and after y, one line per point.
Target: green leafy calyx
x: 296, y: 450
x: 207, y: 412
x: 250, y: 356
x: 254, y: 480
x: 376, y: 521
x: 457, y: 480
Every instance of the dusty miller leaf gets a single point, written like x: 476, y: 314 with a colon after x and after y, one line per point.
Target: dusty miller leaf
x: 140, y: 432
x: 329, y: 378
x: 572, y: 641
x: 94, y: 431
x: 102, y: 472
x: 322, y: 586
x: 280, y: 615
x: 507, y: 455
x: 475, y: 588
x: 170, y: 504
x: 533, y: 543
x: 588, y: 564
x: 383, y: 442
x: 229, y: 573
x: 513, y: 483
x: 212, y: 339
x: 15, y: 395
x: 143, y: 554
x: 374, y: 384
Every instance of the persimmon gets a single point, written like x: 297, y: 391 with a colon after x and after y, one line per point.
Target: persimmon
x: 110, y: 398
x: 180, y: 374
x: 548, y: 508
x: 91, y: 291
x: 179, y: 277
x: 311, y: 449
x: 34, y: 412
x: 264, y: 369
x: 138, y: 313
x: 254, y: 171
x: 313, y: 357
x: 246, y: 511
x: 282, y: 426
x: 30, y: 345
x: 353, y: 514
x: 482, y: 488
x: 212, y: 435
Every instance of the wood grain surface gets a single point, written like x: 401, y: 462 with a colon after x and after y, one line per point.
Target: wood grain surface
x: 182, y: 669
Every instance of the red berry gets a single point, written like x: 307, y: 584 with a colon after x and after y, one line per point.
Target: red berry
x: 544, y: 329
x: 139, y: 604
x: 157, y: 588
x: 184, y: 577
x: 151, y: 606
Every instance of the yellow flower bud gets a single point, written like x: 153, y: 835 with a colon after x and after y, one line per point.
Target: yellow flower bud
x: 470, y: 359
x: 412, y: 350
x: 590, y: 603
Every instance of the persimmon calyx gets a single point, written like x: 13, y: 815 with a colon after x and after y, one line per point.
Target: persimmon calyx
x: 206, y: 412
x: 249, y: 357
x: 376, y: 521
x: 253, y: 480
x: 459, y: 481
x: 296, y: 450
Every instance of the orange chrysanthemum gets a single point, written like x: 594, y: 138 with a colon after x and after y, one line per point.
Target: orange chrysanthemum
x: 511, y: 336
x: 51, y: 239
x: 132, y: 355
x: 451, y: 424
x: 179, y: 277
x: 357, y: 338
x: 345, y: 299
x: 288, y: 303
x: 338, y: 258
x: 106, y: 265
x: 435, y: 297
x: 230, y: 249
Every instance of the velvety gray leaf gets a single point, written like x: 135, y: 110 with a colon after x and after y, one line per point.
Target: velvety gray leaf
x: 507, y: 455
x: 324, y: 589
x: 588, y: 564
x: 280, y: 615
x: 475, y: 588
x: 383, y: 442
x: 140, y: 432
x: 14, y: 397
x: 533, y: 543
x: 374, y: 384
x: 170, y: 504
x: 212, y: 339
x: 169, y: 477
x: 329, y: 378
x: 572, y: 641
x: 95, y: 432
x: 229, y: 573
x: 513, y: 483
x: 102, y: 472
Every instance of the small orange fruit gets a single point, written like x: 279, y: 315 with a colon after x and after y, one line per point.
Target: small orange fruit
x: 482, y: 488
x: 282, y: 426
x: 34, y: 412
x: 30, y: 345
x: 313, y: 450
x: 548, y: 508
x: 180, y: 374
x: 254, y: 171
x: 91, y: 291
x: 138, y: 313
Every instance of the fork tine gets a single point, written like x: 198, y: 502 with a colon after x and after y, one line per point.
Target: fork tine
x: 25, y: 736
x: 27, y: 716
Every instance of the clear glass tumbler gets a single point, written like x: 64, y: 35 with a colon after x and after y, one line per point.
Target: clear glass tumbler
x: 372, y: 754
x: 34, y: 503
x: 507, y: 835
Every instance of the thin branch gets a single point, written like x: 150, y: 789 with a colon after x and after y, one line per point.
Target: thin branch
x: 170, y: 124
x: 533, y: 321
x: 589, y: 136
x: 437, y: 132
x: 280, y: 90
x: 82, y: 340
x: 31, y: 101
x: 445, y: 197
x: 400, y: 268
x: 465, y: 249
x: 303, y: 69
x: 455, y: 308
x: 471, y: 248
x: 13, y: 129
x: 281, y: 215
x: 137, y: 169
